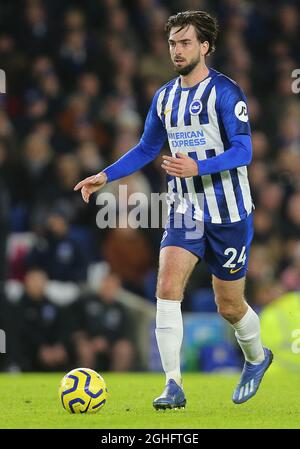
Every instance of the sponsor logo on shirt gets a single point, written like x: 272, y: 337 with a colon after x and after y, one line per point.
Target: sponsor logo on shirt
x: 241, y: 111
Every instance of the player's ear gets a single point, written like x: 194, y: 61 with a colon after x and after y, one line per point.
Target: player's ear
x: 204, y: 48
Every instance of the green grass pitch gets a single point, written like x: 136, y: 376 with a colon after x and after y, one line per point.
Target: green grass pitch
x: 30, y: 401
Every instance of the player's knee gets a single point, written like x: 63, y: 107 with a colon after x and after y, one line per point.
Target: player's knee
x: 227, y: 312
x: 230, y: 311
x: 166, y: 289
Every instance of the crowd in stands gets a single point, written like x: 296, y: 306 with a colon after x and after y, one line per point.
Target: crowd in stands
x: 80, y: 79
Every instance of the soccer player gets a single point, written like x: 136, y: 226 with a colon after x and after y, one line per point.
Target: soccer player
x: 204, y: 116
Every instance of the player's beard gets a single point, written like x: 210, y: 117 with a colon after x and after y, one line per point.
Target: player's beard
x: 188, y: 68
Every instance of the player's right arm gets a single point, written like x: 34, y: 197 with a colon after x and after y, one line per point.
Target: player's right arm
x: 145, y: 151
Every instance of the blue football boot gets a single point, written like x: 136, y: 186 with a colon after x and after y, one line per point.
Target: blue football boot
x: 251, y: 377
x: 172, y: 397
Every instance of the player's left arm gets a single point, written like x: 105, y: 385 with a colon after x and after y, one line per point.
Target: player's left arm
x: 233, y: 114
x: 145, y: 151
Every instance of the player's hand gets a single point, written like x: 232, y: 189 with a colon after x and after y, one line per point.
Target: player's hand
x: 90, y: 185
x: 182, y: 166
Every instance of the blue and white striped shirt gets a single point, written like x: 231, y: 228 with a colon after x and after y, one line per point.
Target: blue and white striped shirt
x: 203, y: 122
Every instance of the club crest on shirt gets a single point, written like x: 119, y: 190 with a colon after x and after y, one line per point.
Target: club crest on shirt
x: 195, y: 107
x: 241, y: 111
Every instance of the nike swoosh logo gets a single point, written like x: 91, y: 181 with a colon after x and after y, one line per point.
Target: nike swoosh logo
x: 235, y: 271
x: 167, y: 111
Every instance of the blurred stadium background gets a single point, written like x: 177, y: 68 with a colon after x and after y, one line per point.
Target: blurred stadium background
x: 80, y: 78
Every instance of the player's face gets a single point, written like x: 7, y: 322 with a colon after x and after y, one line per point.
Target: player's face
x: 185, y: 49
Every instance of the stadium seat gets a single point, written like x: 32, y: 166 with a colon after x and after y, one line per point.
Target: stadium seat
x: 221, y: 357
x: 203, y: 300
x: 18, y: 219
x: 150, y: 285
x: 83, y: 237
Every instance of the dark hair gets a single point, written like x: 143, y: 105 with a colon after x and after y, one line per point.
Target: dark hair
x: 205, y: 25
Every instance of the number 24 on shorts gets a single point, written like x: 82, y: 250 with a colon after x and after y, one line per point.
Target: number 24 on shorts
x: 233, y: 261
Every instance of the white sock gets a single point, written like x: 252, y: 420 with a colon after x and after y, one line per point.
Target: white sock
x: 169, y: 334
x: 247, y: 332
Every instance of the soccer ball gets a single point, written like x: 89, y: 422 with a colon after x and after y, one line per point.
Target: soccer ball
x: 82, y: 390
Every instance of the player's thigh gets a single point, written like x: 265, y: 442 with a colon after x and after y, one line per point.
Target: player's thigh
x: 175, y: 267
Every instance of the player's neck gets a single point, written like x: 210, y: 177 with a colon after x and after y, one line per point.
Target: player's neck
x: 197, y: 75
